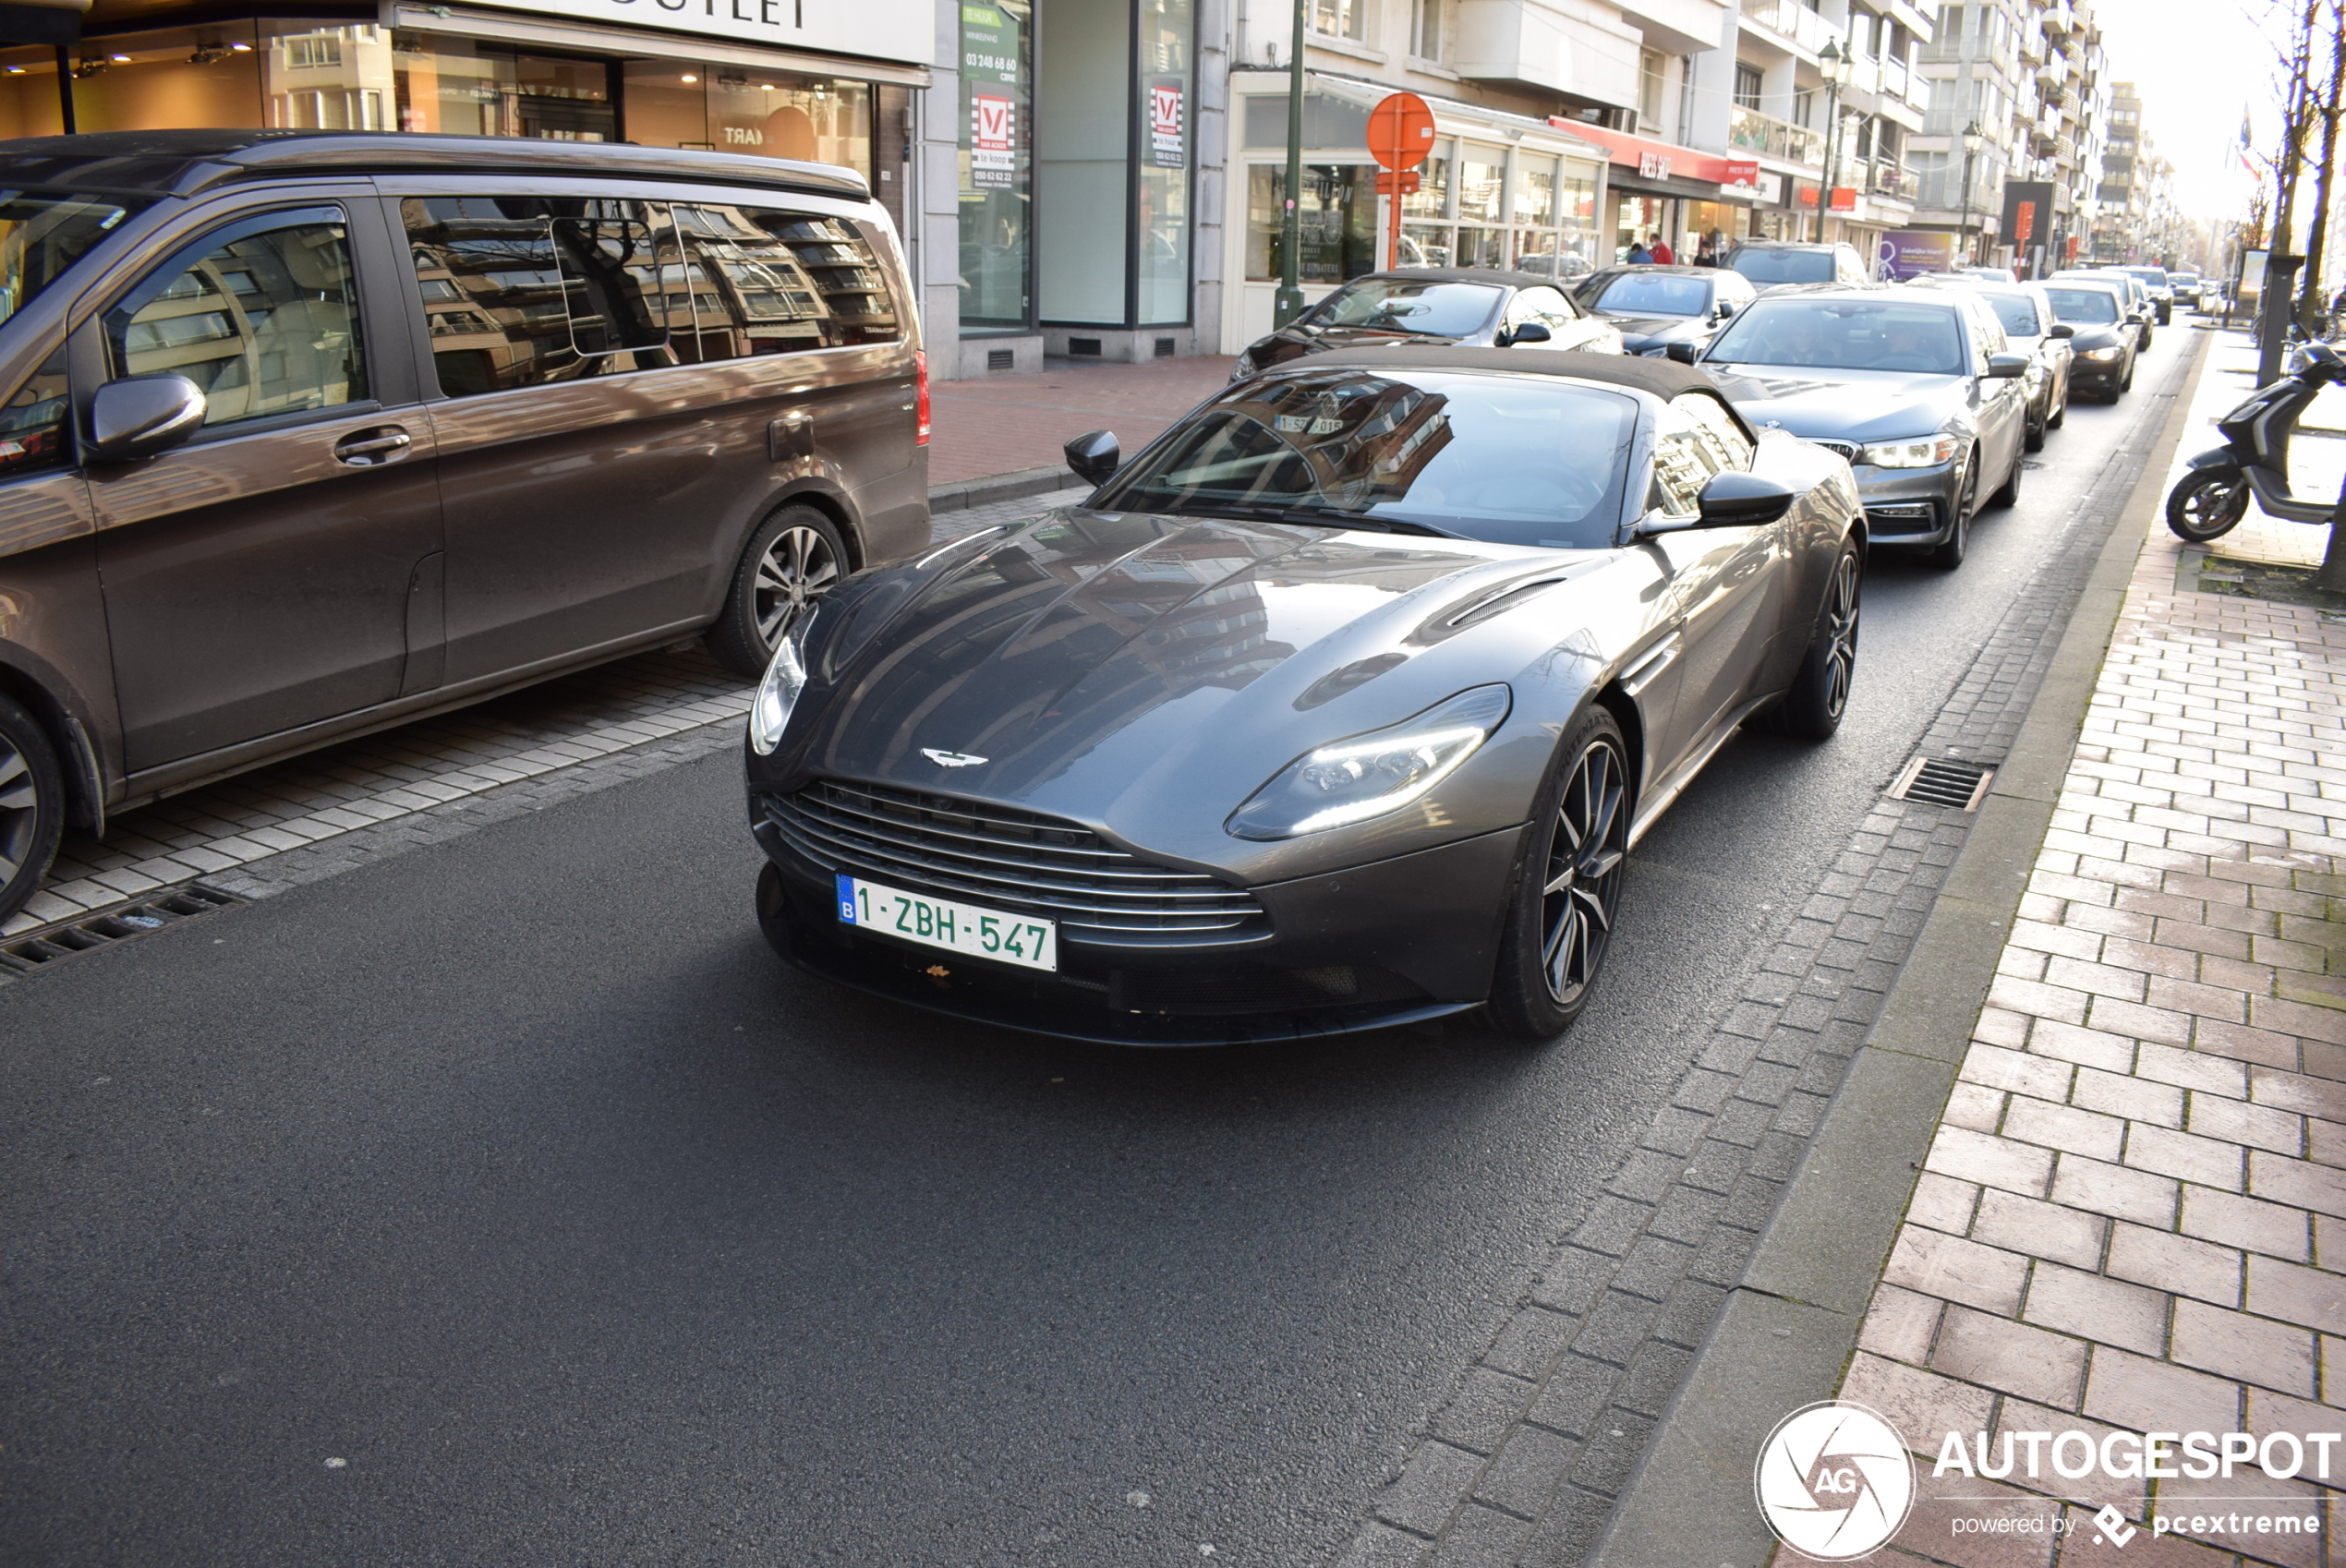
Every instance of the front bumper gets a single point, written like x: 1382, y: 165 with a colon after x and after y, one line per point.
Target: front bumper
x: 2095, y: 375
x: 1908, y: 506
x: 1389, y: 943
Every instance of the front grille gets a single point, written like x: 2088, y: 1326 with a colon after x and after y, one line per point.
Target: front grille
x: 1001, y: 856
x: 1849, y: 450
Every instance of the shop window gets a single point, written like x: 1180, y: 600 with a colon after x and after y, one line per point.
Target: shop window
x: 1336, y: 222
x: 997, y: 165
x: 520, y: 291
x: 1481, y: 179
x: 262, y: 323
x: 769, y: 282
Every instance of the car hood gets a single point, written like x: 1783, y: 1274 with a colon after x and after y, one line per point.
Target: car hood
x: 1844, y: 404
x: 1656, y: 329
x: 1093, y: 661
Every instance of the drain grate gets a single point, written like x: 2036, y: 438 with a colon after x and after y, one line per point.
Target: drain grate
x: 1941, y: 782
x: 109, y: 928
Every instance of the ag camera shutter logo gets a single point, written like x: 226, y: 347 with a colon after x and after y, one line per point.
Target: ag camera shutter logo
x: 1833, y: 1482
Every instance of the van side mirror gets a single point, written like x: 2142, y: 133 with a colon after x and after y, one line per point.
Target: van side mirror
x: 1094, y: 455
x: 140, y: 415
x: 2061, y: 330
x: 1530, y: 331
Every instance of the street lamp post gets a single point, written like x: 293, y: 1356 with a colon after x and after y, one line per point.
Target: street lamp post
x: 1289, y: 303
x: 1972, y: 141
x: 1834, y: 66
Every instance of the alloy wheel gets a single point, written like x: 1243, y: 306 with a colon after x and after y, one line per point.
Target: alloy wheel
x: 797, y: 568
x: 1583, y: 885
x: 20, y: 811
x: 1841, y: 635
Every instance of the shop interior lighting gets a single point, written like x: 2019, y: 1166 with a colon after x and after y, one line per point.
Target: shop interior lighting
x: 119, y: 59
x: 16, y: 70
x: 688, y: 76
x: 241, y: 48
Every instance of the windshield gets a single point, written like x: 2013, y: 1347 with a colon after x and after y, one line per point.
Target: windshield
x: 1656, y: 294
x: 43, y: 234
x: 2084, y: 307
x: 1519, y: 460
x: 1844, y: 334
x: 1785, y: 266
x: 2156, y: 277
x: 1393, y: 304
x: 2018, y: 313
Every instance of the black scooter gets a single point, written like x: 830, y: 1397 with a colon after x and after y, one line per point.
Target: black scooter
x: 2213, y: 495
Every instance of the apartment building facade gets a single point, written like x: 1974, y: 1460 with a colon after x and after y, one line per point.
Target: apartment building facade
x: 2138, y: 219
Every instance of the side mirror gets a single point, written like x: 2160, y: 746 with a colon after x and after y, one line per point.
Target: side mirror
x: 1727, y: 308
x: 2004, y: 366
x: 1681, y: 351
x: 140, y: 415
x: 1530, y: 331
x: 1737, y: 500
x: 1093, y: 455
x: 2061, y: 330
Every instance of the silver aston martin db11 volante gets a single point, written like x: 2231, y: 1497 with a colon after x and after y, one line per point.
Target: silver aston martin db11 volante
x: 1339, y: 707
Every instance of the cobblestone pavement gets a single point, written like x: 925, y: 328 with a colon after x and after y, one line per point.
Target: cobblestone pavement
x: 1523, y: 1464
x: 1002, y: 423
x: 337, y: 808
x: 2132, y: 1216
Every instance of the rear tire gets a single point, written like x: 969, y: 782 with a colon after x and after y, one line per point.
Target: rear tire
x: 1568, y: 886
x: 1811, y: 710
x: 32, y: 806
x: 793, y: 558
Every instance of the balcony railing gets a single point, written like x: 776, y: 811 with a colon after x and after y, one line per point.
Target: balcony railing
x: 1894, y: 79
x: 1755, y: 132
x: 1790, y: 19
x: 1886, y: 178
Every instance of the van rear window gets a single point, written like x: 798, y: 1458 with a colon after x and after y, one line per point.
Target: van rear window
x: 520, y: 291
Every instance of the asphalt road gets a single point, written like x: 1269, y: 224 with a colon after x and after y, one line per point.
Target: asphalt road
x: 506, y: 1203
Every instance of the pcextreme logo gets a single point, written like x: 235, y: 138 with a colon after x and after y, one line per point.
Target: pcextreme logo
x: 1833, y: 1482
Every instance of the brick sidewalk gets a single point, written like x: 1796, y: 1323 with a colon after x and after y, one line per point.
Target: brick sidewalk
x: 1002, y: 423
x: 2134, y: 1214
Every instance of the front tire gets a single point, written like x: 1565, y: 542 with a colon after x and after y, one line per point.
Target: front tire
x: 2008, y: 493
x: 1568, y: 886
x: 2059, y: 415
x: 1811, y: 710
x: 32, y: 801
x: 2206, y: 503
x: 1949, y: 556
x: 793, y: 558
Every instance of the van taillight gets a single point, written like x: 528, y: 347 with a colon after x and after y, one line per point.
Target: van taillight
x: 920, y: 401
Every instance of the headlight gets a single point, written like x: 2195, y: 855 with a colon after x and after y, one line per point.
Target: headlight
x: 2104, y: 354
x: 1927, y: 453
x: 1370, y: 775
x: 778, y: 693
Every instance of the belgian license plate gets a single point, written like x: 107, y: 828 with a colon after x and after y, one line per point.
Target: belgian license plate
x: 957, y: 928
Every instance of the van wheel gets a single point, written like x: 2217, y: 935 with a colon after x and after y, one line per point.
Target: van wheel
x: 32, y: 801
x: 793, y: 558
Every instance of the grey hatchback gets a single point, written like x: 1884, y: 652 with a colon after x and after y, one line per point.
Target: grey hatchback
x: 308, y: 434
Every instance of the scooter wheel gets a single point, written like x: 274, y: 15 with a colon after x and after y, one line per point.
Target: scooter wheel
x: 2206, y: 504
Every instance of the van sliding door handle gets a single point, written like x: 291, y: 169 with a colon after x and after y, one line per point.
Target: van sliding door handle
x: 367, y: 448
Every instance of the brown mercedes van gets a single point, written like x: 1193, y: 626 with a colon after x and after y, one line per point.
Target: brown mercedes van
x: 306, y: 434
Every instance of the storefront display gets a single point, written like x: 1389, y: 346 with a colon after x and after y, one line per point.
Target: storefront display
x: 996, y: 166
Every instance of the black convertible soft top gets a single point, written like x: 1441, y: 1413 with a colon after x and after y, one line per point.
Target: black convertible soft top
x: 1663, y: 379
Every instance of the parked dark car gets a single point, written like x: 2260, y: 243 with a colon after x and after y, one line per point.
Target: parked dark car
x: 310, y: 434
x: 1420, y: 306
x: 2142, y: 314
x: 1341, y: 705
x: 2161, y: 288
x: 1917, y: 389
x: 2032, y: 328
x: 1655, y: 307
x: 1782, y: 263
x: 2103, y: 341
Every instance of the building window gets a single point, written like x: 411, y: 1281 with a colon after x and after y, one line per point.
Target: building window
x: 1425, y: 29
x: 1341, y: 18
x: 1337, y: 222
x: 1649, y: 91
x: 1747, y: 86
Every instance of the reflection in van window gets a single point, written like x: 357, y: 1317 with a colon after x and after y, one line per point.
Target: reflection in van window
x: 43, y: 235
x: 766, y: 282
x: 520, y: 291
x: 265, y: 324
x: 32, y: 423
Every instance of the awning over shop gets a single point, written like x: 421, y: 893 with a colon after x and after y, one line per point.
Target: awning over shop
x: 1664, y: 168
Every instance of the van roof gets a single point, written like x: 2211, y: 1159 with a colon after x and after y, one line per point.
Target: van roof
x: 183, y: 163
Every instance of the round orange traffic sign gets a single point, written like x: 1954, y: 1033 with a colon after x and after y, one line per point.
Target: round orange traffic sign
x: 1400, y: 131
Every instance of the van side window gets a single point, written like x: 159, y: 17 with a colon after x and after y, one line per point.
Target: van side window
x: 766, y: 282
x: 520, y: 291
x: 32, y: 423
x: 265, y: 323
